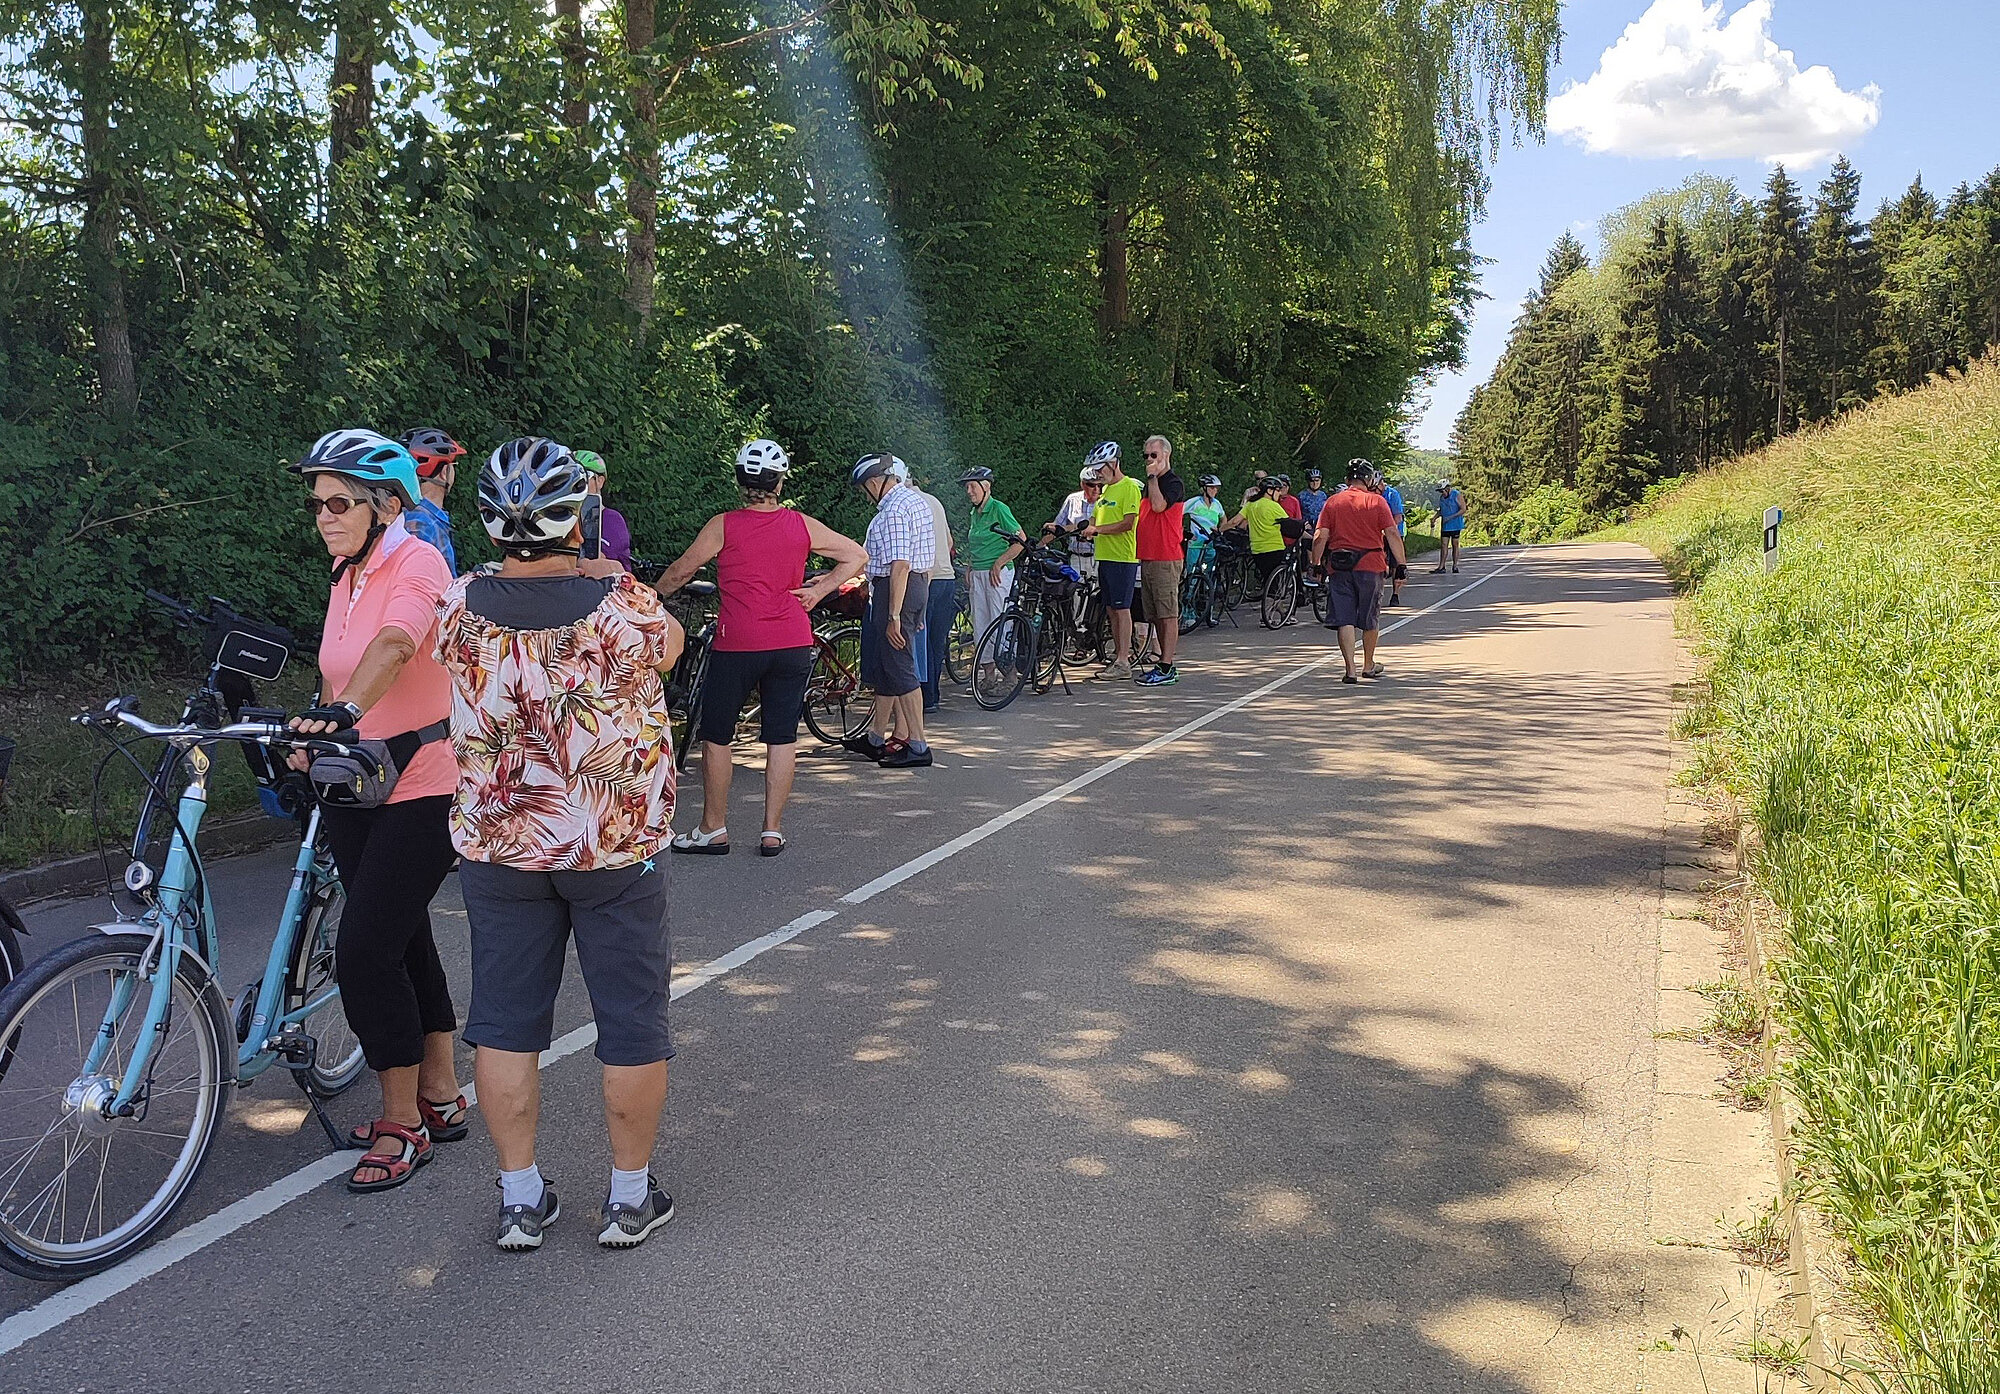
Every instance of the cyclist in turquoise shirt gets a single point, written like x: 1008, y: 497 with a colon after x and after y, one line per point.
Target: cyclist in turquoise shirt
x: 1206, y: 512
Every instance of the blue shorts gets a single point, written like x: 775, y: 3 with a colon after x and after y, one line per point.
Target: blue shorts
x: 1117, y: 580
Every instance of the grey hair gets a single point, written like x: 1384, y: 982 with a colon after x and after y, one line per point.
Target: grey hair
x: 379, y: 497
x: 1161, y: 441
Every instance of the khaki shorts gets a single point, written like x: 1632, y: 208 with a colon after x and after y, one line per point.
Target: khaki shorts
x: 1160, y: 590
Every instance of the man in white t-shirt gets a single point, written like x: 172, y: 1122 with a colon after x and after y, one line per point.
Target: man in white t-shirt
x: 1075, y: 513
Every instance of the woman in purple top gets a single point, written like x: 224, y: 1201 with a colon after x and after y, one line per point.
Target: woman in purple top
x: 614, y: 537
x: 763, y: 634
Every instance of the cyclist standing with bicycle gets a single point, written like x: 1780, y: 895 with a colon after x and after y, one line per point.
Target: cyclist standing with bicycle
x: 559, y: 820
x: 1263, y: 516
x: 377, y: 655
x: 1114, y: 539
x: 763, y: 635
x: 989, y: 552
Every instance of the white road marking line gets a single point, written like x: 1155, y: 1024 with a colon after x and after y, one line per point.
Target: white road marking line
x: 73, y: 1301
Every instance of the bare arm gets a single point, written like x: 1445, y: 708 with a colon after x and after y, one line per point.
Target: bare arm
x: 676, y: 641
x: 707, y: 547
x: 1320, y: 536
x: 847, y: 555
x: 1395, y: 541
x: 380, y: 662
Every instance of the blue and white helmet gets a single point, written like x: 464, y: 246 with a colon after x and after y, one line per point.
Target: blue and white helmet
x: 1105, y: 452
x: 531, y: 494
x: 368, y: 457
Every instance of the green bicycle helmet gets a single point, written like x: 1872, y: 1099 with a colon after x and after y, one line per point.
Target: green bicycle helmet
x: 365, y: 456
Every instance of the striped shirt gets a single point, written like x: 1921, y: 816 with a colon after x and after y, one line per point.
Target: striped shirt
x: 901, y: 531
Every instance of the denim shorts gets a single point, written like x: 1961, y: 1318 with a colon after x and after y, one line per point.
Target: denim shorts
x: 521, y: 924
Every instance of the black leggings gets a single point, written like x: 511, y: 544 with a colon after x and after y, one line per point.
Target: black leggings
x: 1266, y: 563
x: 392, y: 860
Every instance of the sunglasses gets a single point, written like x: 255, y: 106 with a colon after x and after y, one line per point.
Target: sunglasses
x: 336, y: 505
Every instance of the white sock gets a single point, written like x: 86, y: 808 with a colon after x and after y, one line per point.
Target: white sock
x: 523, y: 1187
x: 628, y: 1187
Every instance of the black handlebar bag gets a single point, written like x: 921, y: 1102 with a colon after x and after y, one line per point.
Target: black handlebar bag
x: 366, y: 776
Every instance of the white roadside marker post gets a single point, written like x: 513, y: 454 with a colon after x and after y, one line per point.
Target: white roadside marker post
x: 1772, y: 517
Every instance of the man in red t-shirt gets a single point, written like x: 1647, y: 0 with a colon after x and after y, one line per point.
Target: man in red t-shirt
x: 1354, y: 527
x: 1161, y: 554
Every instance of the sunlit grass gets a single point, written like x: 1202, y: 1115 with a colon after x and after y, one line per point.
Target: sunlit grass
x: 1854, y: 709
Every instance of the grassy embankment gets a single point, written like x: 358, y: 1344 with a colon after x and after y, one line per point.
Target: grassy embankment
x: 1854, y: 707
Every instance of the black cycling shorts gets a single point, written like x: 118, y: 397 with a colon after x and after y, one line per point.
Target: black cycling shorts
x: 777, y: 676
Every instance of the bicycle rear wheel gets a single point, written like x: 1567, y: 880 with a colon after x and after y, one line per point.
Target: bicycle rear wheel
x: 1194, y: 601
x: 1281, y: 598
x: 337, y: 1058
x: 79, y: 1190
x: 836, y: 702
x: 1321, y: 599
x: 1235, y: 582
x: 1004, y: 660
x: 958, y: 650
x: 687, y: 713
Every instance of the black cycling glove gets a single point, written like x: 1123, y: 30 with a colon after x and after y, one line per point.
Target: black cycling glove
x: 341, y: 716
x: 1402, y: 572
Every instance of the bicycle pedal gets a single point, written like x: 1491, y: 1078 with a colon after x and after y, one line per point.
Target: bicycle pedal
x: 294, y: 1048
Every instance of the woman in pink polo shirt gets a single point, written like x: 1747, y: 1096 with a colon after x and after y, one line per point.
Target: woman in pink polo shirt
x: 379, y: 671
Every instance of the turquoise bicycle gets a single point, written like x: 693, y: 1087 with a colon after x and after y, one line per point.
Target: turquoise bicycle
x: 117, y: 1049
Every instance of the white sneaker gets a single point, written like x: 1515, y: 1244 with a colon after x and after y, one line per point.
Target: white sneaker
x: 1120, y: 670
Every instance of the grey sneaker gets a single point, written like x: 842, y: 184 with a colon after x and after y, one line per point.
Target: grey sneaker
x: 626, y: 1226
x: 521, y: 1226
x: 1119, y: 668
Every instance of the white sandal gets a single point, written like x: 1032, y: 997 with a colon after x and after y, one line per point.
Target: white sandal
x: 764, y: 847
x: 715, y: 844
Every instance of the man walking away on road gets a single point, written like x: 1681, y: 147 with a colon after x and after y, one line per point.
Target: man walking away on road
x: 1161, y: 556
x: 1114, y: 538
x: 1354, y: 528
x: 1312, y: 500
x: 1393, y: 496
x: 436, y: 455
x: 941, y: 605
x: 558, y: 823
x: 902, y: 547
x: 989, y: 553
x: 1451, y: 523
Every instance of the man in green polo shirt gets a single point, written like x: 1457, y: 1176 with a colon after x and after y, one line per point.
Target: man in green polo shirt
x: 988, y: 554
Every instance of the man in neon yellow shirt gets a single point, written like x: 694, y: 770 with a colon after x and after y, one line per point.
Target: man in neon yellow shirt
x: 1116, y: 547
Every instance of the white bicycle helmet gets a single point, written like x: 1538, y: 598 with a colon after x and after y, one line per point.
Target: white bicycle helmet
x: 531, y: 494
x: 762, y: 465
x: 1103, y: 453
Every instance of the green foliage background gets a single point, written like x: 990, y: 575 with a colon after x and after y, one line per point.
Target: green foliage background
x: 962, y: 232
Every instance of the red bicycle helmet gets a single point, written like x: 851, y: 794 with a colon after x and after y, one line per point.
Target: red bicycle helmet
x: 432, y: 449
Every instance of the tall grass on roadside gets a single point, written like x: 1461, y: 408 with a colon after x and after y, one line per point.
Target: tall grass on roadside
x: 1855, y: 708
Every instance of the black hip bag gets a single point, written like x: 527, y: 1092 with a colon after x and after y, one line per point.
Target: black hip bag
x: 1343, y: 559
x: 366, y: 776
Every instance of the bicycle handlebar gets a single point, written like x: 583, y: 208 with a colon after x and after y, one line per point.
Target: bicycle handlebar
x: 122, y: 710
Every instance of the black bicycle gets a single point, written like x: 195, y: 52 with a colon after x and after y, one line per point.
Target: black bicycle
x: 11, y: 929
x: 693, y: 605
x: 1032, y: 638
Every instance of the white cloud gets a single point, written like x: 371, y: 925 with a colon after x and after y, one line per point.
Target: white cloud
x: 1684, y: 81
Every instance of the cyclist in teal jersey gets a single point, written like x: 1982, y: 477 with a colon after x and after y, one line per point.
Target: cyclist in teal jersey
x: 1207, y: 511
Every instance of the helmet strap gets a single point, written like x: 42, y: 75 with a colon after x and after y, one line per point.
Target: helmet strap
x: 347, y: 564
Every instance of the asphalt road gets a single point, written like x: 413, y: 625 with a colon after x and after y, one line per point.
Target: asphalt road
x: 1311, y: 1050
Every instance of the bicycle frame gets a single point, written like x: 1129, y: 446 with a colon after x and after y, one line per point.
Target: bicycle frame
x: 181, y: 930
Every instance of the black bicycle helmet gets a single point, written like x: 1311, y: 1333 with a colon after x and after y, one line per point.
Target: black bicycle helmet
x: 978, y: 474
x: 531, y: 495
x: 1358, y: 470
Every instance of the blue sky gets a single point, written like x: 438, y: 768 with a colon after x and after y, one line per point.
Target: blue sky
x: 1702, y: 78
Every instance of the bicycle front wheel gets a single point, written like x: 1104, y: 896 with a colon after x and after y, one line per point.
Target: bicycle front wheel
x: 1004, y: 660
x: 1281, y: 597
x: 958, y: 651
x: 337, y: 1058
x: 1322, y: 598
x: 836, y: 702
x: 687, y: 719
x: 80, y: 1190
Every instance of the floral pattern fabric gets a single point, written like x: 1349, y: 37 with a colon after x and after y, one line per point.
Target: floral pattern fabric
x: 565, y: 753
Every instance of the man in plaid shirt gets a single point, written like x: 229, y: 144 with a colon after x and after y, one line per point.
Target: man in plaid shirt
x: 902, y: 546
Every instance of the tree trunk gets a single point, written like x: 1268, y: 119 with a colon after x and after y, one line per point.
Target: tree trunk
x: 118, y: 383
x: 1113, y: 264
x: 575, y: 63
x: 642, y: 175
x: 357, y: 42
x: 1781, y: 376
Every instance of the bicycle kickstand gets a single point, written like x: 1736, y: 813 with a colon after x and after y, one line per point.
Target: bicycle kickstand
x: 333, y: 1134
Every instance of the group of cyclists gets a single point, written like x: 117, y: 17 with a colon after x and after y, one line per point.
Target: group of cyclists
x: 518, y: 722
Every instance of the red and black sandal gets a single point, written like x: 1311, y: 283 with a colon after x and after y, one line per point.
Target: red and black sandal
x: 446, y: 1122
x: 396, y: 1170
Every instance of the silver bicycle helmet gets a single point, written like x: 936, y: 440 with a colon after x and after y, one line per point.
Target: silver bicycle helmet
x: 1105, y: 452
x: 879, y: 464
x: 531, y: 494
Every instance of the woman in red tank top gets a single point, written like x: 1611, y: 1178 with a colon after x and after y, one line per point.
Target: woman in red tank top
x: 763, y: 635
